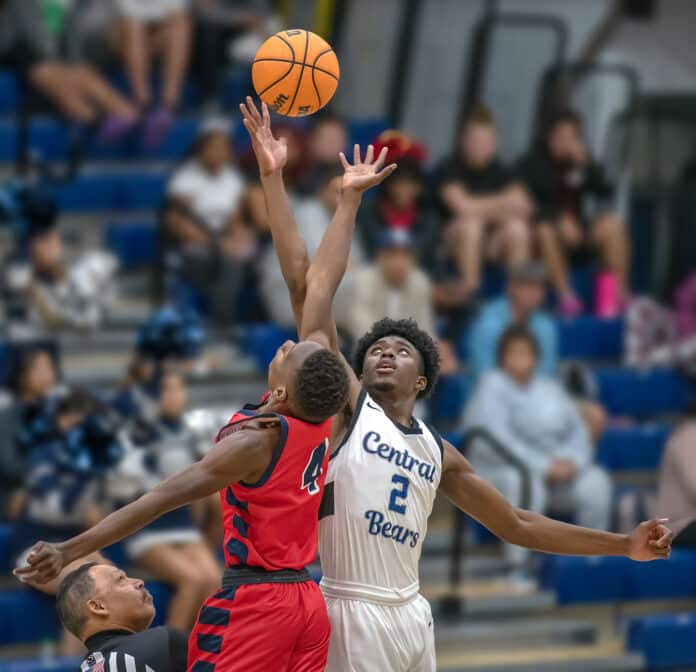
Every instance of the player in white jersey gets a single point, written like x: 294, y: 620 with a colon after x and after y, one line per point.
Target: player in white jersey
x: 386, y: 467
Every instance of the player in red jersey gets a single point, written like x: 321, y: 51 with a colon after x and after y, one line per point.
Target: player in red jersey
x: 269, y: 464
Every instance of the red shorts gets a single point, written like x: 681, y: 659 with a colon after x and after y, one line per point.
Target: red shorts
x: 282, y: 627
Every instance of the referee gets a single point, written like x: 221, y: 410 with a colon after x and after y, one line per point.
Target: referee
x: 110, y: 613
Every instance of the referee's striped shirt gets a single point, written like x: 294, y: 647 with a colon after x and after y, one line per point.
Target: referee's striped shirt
x: 159, y: 649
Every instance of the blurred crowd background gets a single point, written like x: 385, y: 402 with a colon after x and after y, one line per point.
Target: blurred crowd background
x: 539, y: 226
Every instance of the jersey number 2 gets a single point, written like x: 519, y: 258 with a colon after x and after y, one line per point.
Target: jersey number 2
x: 399, y: 493
x: 313, y: 470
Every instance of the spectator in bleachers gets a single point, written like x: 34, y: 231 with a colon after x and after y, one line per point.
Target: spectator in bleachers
x: 27, y: 420
x: 574, y: 216
x: 401, y: 202
x: 227, y: 31
x: 207, y: 242
x: 328, y: 136
x: 522, y: 304
x: 143, y: 31
x: 487, y: 211
x: 392, y: 286
x: 172, y: 549
x: 537, y: 423
x: 312, y: 214
x: 45, y: 294
x: 676, y: 495
x: 36, y: 41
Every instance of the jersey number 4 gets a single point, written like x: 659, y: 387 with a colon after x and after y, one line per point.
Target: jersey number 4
x: 313, y: 470
x: 397, y: 498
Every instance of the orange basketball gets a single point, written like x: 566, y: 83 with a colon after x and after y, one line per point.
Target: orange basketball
x: 295, y: 72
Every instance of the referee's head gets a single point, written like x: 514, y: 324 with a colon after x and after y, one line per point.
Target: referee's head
x: 97, y: 597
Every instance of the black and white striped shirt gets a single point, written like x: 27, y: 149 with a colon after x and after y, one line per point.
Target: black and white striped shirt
x: 160, y: 649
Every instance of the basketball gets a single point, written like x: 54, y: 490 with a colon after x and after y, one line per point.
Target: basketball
x: 295, y: 72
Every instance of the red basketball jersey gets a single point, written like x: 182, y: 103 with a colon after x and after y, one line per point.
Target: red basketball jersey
x: 273, y: 523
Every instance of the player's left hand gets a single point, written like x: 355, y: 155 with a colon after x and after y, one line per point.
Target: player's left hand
x: 364, y: 174
x: 651, y: 540
x: 44, y: 562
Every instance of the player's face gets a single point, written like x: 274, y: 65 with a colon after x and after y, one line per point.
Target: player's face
x: 392, y: 364
x: 288, y: 358
x: 121, y: 599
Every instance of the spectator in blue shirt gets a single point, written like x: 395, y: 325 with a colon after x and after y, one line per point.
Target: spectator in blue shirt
x: 521, y: 305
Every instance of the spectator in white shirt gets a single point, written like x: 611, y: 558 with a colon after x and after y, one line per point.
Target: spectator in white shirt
x: 206, y: 241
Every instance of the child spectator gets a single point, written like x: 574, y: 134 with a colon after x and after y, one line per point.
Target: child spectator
x: 172, y: 548
x: 401, y: 203
x: 538, y: 425
x: 206, y: 242
x: 573, y: 214
x: 35, y: 39
x: 487, y: 210
x: 144, y: 30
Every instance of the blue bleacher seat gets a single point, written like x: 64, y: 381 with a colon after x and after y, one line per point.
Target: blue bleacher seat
x: 9, y: 92
x: 633, y: 448
x: 609, y: 579
x: 134, y: 243
x: 589, y: 337
x: 262, y: 340
x: 5, y: 545
x: 448, y: 400
x: 27, y: 616
x: 45, y: 664
x: 643, y: 393
x: 667, y: 641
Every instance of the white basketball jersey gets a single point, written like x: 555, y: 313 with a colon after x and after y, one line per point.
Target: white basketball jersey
x: 379, y: 493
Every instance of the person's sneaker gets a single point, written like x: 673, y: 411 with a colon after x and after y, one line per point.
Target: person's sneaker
x: 114, y: 128
x: 157, y: 126
x: 570, y: 305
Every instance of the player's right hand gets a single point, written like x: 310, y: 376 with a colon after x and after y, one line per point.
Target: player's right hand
x: 45, y: 562
x: 271, y: 153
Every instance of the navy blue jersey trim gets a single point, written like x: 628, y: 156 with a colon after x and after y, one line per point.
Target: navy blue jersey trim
x: 276, y: 453
x: 438, y: 438
x: 353, y: 422
x: 415, y: 429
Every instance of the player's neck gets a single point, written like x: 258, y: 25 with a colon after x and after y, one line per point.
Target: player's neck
x: 397, y: 408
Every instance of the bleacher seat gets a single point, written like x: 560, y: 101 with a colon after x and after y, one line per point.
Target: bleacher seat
x: 667, y: 641
x: 5, y: 545
x: 9, y: 92
x: 27, y: 616
x: 643, y: 393
x: 133, y: 242
x: 609, y: 579
x: 589, y: 337
x: 45, y: 664
x: 633, y: 448
x: 262, y: 340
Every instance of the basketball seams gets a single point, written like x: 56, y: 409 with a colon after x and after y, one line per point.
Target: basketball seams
x: 316, y: 88
x: 280, y: 79
x: 299, y: 79
x: 292, y: 49
x: 285, y: 60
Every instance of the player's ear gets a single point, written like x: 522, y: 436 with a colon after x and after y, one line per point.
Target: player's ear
x: 280, y: 393
x: 421, y: 383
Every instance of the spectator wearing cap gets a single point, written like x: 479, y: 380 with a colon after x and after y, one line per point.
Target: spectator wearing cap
x: 574, y: 218
x: 392, y: 286
x: 172, y: 548
x: 536, y: 422
x: 110, y: 613
x: 401, y: 204
x: 487, y: 210
x: 207, y: 243
x: 313, y: 215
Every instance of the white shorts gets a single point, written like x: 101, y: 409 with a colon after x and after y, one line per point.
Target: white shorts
x: 369, y: 637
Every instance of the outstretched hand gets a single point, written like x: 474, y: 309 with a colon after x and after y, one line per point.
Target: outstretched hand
x: 364, y: 174
x: 271, y: 153
x: 651, y: 540
x: 44, y: 562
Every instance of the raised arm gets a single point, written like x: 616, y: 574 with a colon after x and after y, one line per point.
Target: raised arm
x: 271, y: 156
x: 651, y: 540
x: 243, y: 455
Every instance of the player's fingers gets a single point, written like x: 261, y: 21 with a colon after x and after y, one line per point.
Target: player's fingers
x: 343, y: 160
x: 651, y: 524
x: 386, y: 172
x: 381, y: 158
x: 253, y: 111
x: 266, y: 115
x: 370, y: 154
x: 356, y: 154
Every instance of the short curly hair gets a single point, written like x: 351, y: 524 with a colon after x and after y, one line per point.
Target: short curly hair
x: 410, y: 331
x: 321, y: 386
